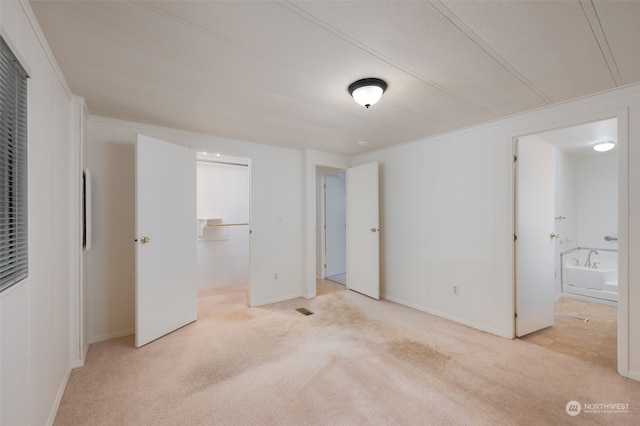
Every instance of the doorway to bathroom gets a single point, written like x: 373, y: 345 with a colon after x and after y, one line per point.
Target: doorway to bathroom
x: 223, y: 206
x: 566, y: 282
x: 331, y: 238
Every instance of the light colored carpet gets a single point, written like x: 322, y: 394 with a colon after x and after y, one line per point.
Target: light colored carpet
x: 355, y: 361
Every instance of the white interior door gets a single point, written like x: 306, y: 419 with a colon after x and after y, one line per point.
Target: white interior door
x: 363, y: 230
x: 166, y: 288
x: 535, y: 244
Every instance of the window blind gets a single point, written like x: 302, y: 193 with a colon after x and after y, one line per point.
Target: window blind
x: 14, y: 254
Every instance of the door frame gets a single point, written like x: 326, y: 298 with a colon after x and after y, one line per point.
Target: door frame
x: 321, y: 218
x: 313, y: 160
x: 326, y: 232
x: 321, y: 231
x: 229, y: 159
x: 622, y: 115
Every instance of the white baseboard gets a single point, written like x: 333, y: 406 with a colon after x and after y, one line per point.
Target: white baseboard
x: 80, y: 361
x: 77, y: 363
x: 276, y: 299
x: 588, y: 299
x: 58, y: 400
x: 635, y: 375
x: 482, y: 327
x: 112, y: 335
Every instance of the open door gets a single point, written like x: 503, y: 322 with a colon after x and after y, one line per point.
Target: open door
x: 363, y: 230
x: 535, y: 243
x: 166, y: 289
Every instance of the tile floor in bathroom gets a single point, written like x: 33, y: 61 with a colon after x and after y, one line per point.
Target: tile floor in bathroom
x: 595, y: 340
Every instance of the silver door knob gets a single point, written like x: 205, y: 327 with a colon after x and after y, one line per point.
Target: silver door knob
x: 374, y: 229
x: 554, y: 235
x: 145, y: 240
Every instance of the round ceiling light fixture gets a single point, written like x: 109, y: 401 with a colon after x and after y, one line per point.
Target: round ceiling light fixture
x: 604, y: 146
x: 367, y: 91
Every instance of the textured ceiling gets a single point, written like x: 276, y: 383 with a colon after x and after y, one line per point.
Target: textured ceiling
x: 277, y: 72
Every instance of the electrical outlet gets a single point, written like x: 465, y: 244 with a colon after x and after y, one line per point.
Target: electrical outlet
x: 275, y: 276
x: 456, y: 290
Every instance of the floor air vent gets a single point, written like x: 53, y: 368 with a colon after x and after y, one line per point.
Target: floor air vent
x: 304, y: 311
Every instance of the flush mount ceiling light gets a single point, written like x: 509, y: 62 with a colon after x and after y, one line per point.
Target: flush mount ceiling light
x: 604, y: 146
x: 367, y: 91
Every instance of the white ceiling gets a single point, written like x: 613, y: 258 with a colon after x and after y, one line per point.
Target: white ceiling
x: 277, y: 72
x: 579, y: 140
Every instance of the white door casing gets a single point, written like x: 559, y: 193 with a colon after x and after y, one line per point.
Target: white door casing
x: 535, y: 244
x: 166, y: 288
x: 363, y: 230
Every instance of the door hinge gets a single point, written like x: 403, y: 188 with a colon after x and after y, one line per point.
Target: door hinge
x: 515, y: 315
x: 515, y: 237
x: 515, y: 158
x: 325, y: 266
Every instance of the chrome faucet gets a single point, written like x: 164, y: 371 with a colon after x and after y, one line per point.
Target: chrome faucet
x: 588, y: 262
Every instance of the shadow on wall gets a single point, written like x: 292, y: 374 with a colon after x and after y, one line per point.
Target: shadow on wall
x: 111, y: 260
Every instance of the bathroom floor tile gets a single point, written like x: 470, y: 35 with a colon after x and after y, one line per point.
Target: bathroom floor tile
x: 594, y: 340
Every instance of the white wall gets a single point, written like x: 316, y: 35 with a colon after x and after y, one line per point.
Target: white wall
x: 587, y: 196
x: 336, y: 223
x: 223, y: 252
x: 276, y: 219
x: 37, y: 346
x: 566, y: 196
x: 447, y: 217
x: 597, y: 200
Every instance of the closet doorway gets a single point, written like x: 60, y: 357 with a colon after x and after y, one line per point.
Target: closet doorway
x: 332, y: 221
x: 223, y: 205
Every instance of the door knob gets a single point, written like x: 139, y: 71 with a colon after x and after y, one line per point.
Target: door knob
x: 374, y: 229
x: 145, y: 240
x: 554, y: 235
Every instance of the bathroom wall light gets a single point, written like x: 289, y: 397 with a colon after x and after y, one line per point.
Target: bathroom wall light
x: 604, y: 146
x: 367, y: 91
